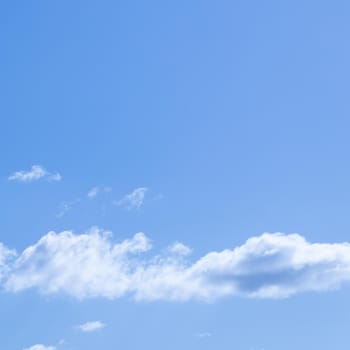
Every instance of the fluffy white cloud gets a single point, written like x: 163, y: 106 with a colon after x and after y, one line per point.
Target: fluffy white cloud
x: 93, y: 265
x: 91, y: 326
x: 35, y: 173
x: 180, y: 249
x: 87, y: 265
x: 277, y: 265
x: 40, y: 347
x: 134, y: 199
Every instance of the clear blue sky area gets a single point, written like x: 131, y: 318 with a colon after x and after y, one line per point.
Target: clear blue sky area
x: 200, y: 122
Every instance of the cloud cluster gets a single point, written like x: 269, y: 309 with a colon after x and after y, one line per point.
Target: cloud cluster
x: 36, y: 172
x: 93, y: 265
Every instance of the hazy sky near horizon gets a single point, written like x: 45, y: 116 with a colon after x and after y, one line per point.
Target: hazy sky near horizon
x: 175, y: 175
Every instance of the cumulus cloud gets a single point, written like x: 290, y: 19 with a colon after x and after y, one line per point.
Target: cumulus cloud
x: 87, y: 265
x: 91, y: 326
x: 94, y: 265
x: 36, y: 172
x: 134, y: 199
x: 179, y: 249
x: 40, y: 347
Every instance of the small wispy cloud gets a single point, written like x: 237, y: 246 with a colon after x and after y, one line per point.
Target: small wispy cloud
x: 65, y: 207
x: 95, y: 191
x: 203, y: 335
x: 134, y: 199
x: 36, y: 172
x: 40, y: 347
x: 91, y: 326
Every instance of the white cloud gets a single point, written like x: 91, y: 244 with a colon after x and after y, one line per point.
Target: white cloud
x: 82, y: 266
x: 179, y: 249
x: 92, y: 265
x: 134, y: 199
x: 35, y: 173
x: 40, y: 347
x: 91, y: 326
x: 95, y: 191
x: 5, y: 255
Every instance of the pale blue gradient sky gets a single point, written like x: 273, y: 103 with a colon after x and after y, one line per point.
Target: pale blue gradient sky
x: 233, y: 114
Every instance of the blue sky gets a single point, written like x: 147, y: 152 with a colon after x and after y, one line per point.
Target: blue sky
x: 147, y: 147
